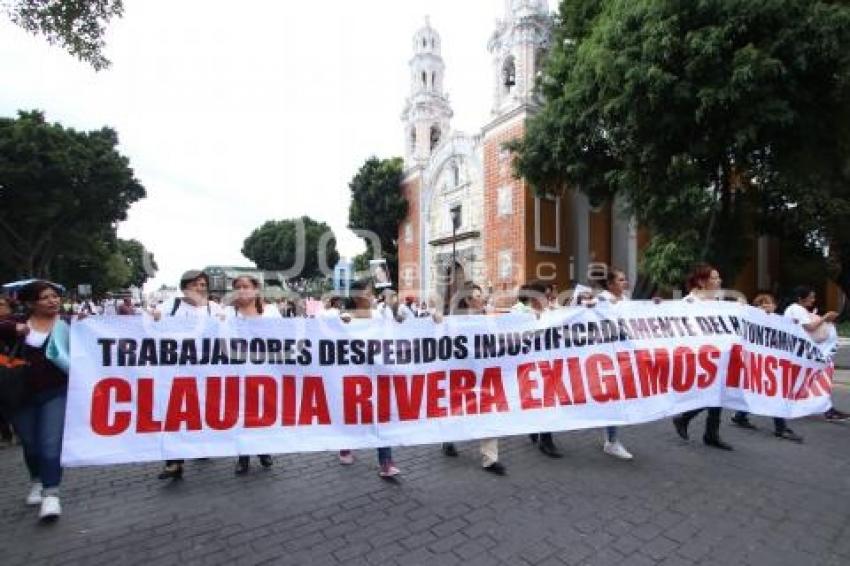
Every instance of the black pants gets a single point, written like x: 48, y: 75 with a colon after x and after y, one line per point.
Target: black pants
x: 712, y: 421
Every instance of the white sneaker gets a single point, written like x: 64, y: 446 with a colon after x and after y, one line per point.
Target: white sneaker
x: 617, y: 450
x: 50, y: 508
x: 34, y: 496
x: 346, y: 458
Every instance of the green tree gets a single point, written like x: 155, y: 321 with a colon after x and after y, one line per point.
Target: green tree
x: 715, y: 119
x: 377, y: 205
x: 61, y: 194
x: 140, y: 261
x: 78, y: 26
x: 300, y: 245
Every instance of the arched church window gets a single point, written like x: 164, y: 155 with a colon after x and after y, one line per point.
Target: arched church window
x: 424, y: 42
x: 435, y: 137
x: 509, y: 73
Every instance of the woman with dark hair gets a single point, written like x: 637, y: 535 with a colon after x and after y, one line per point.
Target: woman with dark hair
x: 767, y: 303
x: 472, y: 303
x: 803, y: 312
x: 531, y: 299
x: 360, y: 301
x: 6, y: 311
x: 703, y: 285
x: 40, y: 422
x: 246, y: 302
x: 616, y: 286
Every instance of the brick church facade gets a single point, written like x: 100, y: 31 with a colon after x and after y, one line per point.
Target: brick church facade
x: 470, y: 219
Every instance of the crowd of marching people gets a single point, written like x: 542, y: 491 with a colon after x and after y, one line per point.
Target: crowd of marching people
x: 34, y: 338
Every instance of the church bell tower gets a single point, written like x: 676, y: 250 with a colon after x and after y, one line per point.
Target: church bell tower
x: 427, y: 114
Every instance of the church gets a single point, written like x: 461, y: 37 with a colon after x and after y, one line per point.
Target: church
x: 470, y: 219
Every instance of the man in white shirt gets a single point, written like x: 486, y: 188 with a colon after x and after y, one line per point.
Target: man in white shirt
x: 193, y: 304
x: 195, y: 300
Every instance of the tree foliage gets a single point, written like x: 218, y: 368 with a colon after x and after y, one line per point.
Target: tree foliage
x: 61, y: 194
x: 715, y: 119
x: 139, y: 260
x: 377, y: 205
x: 277, y: 245
x: 78, y: 26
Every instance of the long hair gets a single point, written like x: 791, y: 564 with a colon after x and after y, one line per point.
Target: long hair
x: 31, y: 292
x: 612, y: 276
x: 258, y: 301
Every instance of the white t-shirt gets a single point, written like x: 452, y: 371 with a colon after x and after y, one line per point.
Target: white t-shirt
x: 609, y: 297
x: 36, y: 339
x: 230, y: 312
x: 189, y: 311
x: 798, y: 313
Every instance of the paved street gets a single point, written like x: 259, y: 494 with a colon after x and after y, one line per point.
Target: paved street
x: 769, y: 502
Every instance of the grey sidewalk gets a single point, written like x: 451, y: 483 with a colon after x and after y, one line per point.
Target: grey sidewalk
x: 769, y: 502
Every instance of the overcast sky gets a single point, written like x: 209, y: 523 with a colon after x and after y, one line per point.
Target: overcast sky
x: 236, y: 113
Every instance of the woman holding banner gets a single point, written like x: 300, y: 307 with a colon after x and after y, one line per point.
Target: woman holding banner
x: 703, y: 285
x: 767, y: 303
x: 361, y: 303
x: 616, y: 285
x: 247, y: 303
x: 472, y: 303
x: 531, y: 298
x: 42, y: 339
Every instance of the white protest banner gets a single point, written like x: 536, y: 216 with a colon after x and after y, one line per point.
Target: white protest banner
x: 142, y: 390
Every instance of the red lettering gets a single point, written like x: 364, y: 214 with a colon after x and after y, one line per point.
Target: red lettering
x: 184, y: 408
x: 553, y: 384
x: 754, y: 369
x: 736, y: 366
x: 462, y: 399
x: 357, y: 399
x: 527, y: 386
x: 384, y: 393
x: 653, y: 371
x: 770, y: 383
x: 220, y: 417
x: 144, y: 420
x: 493, y: 392
x: 603, y: 386
x: 576, y: 381
x: 100, y: 404
x: 707, y: 359
x: 287, y: 402
x: 436, y: 393
x: 260, y: 401
x: 314, y: 402
x: 684, y: 369
x: 409, y: 400
x: 627, y: 375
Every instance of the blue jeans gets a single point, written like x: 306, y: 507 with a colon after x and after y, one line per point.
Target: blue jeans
x: 385, y: 455
x: 39, y: 425
x: 611, y: 433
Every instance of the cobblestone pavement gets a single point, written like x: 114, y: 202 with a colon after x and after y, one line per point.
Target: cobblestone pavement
x: 769, y: 502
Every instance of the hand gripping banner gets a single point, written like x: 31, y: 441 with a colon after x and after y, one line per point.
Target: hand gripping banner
x: 142, y: 390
